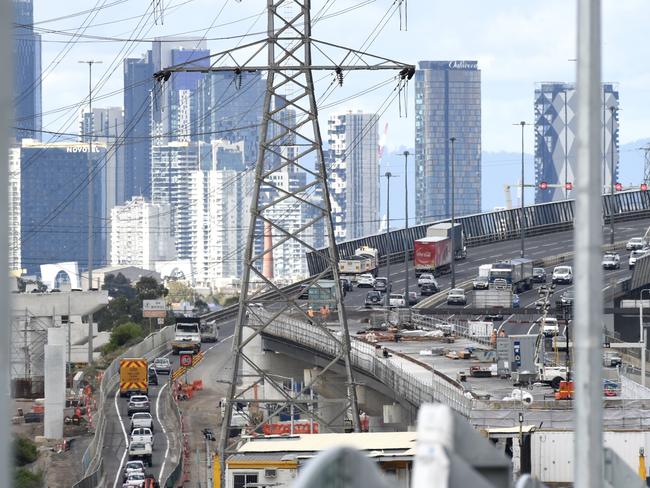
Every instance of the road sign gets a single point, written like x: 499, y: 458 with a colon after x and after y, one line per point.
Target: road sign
x: 154, y: 308
x: 186, y: 360
x: 517, y: 353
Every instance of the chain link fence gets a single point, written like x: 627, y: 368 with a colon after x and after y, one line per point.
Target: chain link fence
x: 414, y: 389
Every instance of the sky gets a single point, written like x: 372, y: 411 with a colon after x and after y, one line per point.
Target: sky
x: 517, y: 43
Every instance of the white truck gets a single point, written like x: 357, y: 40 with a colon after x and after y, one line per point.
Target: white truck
x: 142, y: 435
x: 141, y: 451
x: 209, y: 331
x: 365, y: 260
x: 187, y: 335
x: 142, y: 419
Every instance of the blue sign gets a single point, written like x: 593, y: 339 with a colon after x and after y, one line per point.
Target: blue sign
x: 517, y: 353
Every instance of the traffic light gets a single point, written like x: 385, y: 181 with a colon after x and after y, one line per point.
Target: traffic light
x: 644, y: 187
x: 568, y: 185
x: 543, y: 185
x: 618, y: 186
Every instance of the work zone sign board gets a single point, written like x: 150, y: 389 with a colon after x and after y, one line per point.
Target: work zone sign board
x: 154, y: 308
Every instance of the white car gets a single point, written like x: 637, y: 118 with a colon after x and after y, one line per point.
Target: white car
x: 396, y: 300
x: 635, y: 243
x: 142, y: 434
x: 563, y: 274
x: 132, y: 467
x: 456, y: 297
x: 549, y: 326
x: 134, y: 480
x: 426, y: 279
x: 366, y: 280
x: 140, y: 451
x: 142, y: 419
x: 634, y: 255
x: 611, y: 261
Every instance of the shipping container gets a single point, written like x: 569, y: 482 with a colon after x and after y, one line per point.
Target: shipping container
x: 432, y: 255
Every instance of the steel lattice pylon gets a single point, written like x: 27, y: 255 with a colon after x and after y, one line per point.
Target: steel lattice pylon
x: 285, y: 143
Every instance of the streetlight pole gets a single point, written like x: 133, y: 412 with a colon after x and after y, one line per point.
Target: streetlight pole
x: 90, y: 200
x: 388, y: 176
x: 406, y: 225
x: 453, y: 215
x: 522, y: 222
x: 612, y: 207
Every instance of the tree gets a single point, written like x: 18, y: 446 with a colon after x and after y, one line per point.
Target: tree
x: 118, y: 285
x: 201, y: 307
x: 24, y: 478
x: 148, y: 288
x: 179, y: 292
x: 118, y: 311
x: 124, y: 335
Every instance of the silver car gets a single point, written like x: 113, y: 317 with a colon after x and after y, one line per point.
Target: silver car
x: 456, y: 297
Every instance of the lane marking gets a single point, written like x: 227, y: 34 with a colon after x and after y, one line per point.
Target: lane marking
x: 126, y: 439
x: 162, y: 426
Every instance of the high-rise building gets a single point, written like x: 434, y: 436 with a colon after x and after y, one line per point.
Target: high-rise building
x: 107, y: 126
x: 14, y: 208
x: 172, y: 165
x: 26, y: 51
x: 174, y: 104
x: 555, y: 135
x: 354, y: 174
x: 220, y: 201
x: 54, y: 203
x: 138, y: 83
x: 447, y: 104
x: 230, y: 108
x: 141, y: 234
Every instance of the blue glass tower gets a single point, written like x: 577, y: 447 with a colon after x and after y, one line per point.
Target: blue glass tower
x: 138, y: 83
x: 447, y: 104
x: 26, y: 51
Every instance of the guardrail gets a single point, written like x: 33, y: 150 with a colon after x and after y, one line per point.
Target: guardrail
x: 496, y: 226
x: 175, y: 474
x: 92, y: 461
x: 414, y: 390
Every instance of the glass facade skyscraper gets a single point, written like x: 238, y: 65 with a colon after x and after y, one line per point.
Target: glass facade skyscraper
x: 555, y: 148
x: 447, y: 104
x: 26, y: 51
x: 53, y: 203
x: 138, y: 83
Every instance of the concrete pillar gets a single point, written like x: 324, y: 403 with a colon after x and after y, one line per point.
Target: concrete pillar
x: 55, y: 353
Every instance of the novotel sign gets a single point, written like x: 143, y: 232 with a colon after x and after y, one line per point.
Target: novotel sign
x: 81, y: 149
x: 463, y: 64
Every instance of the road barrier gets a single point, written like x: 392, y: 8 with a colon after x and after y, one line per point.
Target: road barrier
x: 92, y: 462
x: 494, y: 226
x: 413, y: 389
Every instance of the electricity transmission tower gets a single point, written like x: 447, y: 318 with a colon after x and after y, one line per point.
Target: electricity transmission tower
x: 646, y: 165
x: 286, y: 144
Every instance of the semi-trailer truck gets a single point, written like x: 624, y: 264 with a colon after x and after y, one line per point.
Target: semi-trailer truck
x: 432, y: 255
x: 445, y: 229
x: 518, y: 273
x: 365, y: 260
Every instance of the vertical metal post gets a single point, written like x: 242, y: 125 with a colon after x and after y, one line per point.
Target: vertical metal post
x: 388, y: 176
x: 643, y: 337
x: 453, y: 212
x: 523, y: 188
x: 612, y: 206
x: 406, y: 225
x: 566, y: 147
x: 6, y: 109
x: 588, y: 446
x: 91, y: 243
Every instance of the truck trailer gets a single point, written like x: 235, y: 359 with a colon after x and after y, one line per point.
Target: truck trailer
x: 432, y: 255
x: 518, y: 273
x: 365, y: 260
x: 445, y: 229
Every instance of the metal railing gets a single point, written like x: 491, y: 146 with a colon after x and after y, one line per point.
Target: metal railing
x: 495, y: 226
x: 149, y: 347
x: 415, y: 390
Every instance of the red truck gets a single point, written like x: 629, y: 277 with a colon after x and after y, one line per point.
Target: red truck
x: 432, y: 255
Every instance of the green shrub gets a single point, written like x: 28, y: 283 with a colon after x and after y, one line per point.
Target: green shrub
x: 23, y: 478
x: 25, y: 451
x: 126, y: 333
